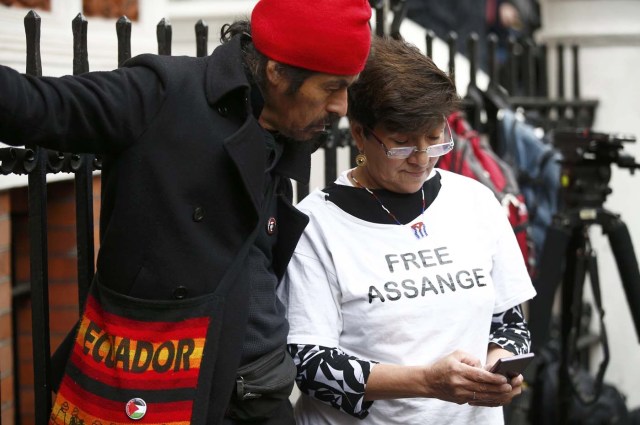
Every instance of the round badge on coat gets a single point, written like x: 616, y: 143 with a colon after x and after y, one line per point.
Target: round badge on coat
x: 136, y: 408
x: 271, y: 225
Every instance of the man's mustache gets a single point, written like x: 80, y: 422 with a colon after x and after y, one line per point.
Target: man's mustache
x: 325, y: 123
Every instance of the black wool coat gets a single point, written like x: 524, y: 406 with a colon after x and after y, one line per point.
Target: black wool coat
x: 183, y: 172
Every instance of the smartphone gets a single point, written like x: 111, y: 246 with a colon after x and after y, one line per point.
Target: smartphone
x: 512, y: 366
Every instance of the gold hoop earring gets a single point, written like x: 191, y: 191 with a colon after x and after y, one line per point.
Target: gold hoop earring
x: 361, y: 160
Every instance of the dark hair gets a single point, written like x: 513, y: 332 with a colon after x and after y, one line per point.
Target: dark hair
x: 401, y: 89
x: 256, y: 62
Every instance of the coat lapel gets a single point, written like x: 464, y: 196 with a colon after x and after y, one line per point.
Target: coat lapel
x: 247, y: 150
x: 225, y: 74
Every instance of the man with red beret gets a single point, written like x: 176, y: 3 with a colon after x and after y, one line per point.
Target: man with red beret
x: 182, y: 323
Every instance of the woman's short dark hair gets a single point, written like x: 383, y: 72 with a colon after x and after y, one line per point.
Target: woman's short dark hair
x: 401, y: 89
x: 256, y: 62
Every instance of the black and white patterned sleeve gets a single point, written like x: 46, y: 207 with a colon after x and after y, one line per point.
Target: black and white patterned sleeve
x: 509, y: 330
x: 333, y: 377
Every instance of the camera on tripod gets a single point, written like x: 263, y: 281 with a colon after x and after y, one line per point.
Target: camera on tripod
x: 586, y: 164
x: 568, y: 257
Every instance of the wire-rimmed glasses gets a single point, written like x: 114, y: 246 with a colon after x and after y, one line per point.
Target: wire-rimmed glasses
x: 404, y: 152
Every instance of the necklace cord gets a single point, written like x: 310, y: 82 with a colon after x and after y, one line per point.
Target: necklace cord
x: 380, y: 202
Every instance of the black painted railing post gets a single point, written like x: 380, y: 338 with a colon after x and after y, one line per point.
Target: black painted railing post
x: 378, y: 6
x: 529, y: 75
x: 80, y: 52
x: 576, y: 72
x: 399, y: 8
x: 543, y: 73
x: 452, y: 42
x: 473, y: 97
x: 202, y: 38
x: 123, y: 31
x: 512, y: 65
x: 543, y: 83
x: 429, y: 42
x: 83, y: 177
x: 331, y: 155
x: 472, y: 52
x: 561, y: 95
x: 584, y: 115
x: 163, y: 33
x: 302, y: 190
x: 492, y: 50
x: 38, y: 248
x: 560, y: 86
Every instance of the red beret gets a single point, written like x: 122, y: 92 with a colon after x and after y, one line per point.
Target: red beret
x: 329, y: 36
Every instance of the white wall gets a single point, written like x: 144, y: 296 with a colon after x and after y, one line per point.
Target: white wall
x: 185, y: 13
x: 57, y: 38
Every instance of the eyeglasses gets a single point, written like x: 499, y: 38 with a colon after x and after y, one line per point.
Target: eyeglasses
x: 404, y: 152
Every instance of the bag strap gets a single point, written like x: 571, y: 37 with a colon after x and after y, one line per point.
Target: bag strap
x: 227, y: 360
x: 236, y: 265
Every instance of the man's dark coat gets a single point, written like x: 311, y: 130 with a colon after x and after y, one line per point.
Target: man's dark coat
x: 183, y: 174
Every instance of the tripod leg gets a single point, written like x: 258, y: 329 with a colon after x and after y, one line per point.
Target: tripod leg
x: 627, y: 263
x: 546, y: 282
x: 597, y: 296
x: 577, y: 261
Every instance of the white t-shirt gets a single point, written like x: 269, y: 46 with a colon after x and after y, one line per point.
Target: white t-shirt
x: 379, y: 293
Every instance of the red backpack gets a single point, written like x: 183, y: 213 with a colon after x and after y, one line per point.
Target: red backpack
x: 473, y: 157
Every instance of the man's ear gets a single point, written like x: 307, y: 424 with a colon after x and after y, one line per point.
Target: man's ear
x: 274, y: 75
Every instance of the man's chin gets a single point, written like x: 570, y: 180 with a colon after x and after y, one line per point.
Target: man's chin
x: 315, y: 138
x: 308, y: 140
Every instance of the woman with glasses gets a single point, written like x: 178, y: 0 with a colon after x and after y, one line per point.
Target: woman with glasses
x: 407, y: 283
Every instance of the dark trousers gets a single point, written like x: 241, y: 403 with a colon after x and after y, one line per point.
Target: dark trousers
x: 282, y: 416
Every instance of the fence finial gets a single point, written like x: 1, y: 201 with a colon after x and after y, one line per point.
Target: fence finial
x: 202, y: 38
x: 560, y: 53
x: 492, y: 50
x: 529, y: 72
x: 429, y: 37
x: 378, y: 6
x: 32, y: 31
x: 80, y: 50
x: 472, y: 54
x: 399, y: 8
x: 452, y: 42
x: 512, y: 64
x: 123, y: 30
x: 163, y: 33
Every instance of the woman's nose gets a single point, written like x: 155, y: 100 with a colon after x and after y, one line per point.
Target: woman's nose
x: 419, y: 157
